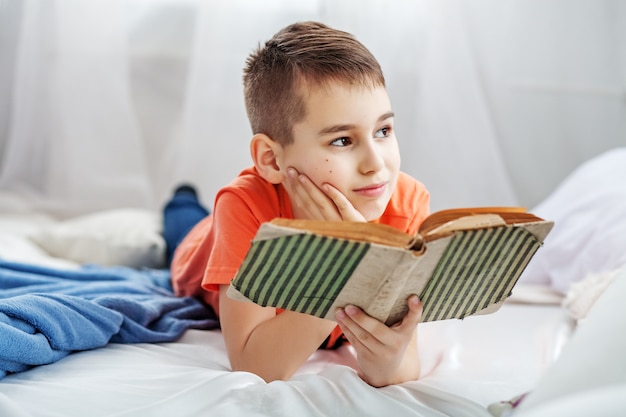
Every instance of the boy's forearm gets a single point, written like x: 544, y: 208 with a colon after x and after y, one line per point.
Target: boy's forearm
x: 277, y: 347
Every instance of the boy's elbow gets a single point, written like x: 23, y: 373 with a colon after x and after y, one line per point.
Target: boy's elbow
x: 265, y: 366
x: 268, y: 375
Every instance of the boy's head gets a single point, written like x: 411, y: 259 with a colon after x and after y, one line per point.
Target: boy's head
x: 317, y: 103
x: 279, y: 74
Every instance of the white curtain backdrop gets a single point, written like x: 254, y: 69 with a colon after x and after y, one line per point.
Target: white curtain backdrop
x: 111, y: 103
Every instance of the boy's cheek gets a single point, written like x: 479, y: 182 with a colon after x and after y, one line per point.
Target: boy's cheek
x: 313, y: 174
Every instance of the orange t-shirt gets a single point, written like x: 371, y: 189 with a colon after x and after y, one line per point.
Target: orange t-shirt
x: 211, y: 253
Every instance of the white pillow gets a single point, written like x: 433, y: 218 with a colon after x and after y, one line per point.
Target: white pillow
x: 127, y: 237
x: 589, y: 234
x: 16, y: 248
x: 591, y: 363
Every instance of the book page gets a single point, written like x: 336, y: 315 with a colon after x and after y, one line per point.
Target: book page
x: 364, y: 232
x: 474, y: 221
x: 510, y: 215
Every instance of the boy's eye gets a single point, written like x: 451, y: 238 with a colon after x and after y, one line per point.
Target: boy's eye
x: 383, y: 132
x: 341, y: 142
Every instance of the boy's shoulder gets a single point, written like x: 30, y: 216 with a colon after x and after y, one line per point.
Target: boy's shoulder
x: 407, y: 186
x: 255, y: 192
x: 409, y: 204
x: 249, y: 178
x: 250, y: 181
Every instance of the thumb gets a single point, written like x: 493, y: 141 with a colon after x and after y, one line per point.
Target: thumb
x: 414, y: 316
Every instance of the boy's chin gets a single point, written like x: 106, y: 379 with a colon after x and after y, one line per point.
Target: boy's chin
x: 372, y: 214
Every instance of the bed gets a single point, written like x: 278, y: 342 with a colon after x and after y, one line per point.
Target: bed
x: 110, y: 339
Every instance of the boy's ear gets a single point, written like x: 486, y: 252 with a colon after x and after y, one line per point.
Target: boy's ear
x: 264, y: 151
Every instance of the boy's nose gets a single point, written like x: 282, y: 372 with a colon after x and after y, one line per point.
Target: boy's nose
x: 371, y: 157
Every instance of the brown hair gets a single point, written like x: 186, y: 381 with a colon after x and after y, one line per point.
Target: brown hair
x: 302, y: 54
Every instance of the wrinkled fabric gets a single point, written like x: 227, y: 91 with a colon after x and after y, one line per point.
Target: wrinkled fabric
x: 46, y: 313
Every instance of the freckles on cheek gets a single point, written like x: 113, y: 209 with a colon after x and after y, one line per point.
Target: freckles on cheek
x: 325, y: 169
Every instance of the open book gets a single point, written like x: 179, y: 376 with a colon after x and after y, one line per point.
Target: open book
x: 461, y: 262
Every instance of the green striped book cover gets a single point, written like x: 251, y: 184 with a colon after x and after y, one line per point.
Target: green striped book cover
x: 464, y: 273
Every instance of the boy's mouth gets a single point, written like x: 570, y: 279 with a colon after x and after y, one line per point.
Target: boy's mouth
x: 374, y: 190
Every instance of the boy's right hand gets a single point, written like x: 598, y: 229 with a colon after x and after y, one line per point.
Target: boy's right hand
x: 314, y: 203
x: 386, y: 355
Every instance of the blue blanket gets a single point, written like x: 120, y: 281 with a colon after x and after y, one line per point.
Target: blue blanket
x: 45, y: 313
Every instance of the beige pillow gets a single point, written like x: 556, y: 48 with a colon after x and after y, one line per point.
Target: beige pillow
x: 127, y: 237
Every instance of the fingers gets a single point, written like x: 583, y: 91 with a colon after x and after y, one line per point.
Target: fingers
x: 361, y: 329
x: 312, y: 202
x: 343, y: 205
x: 386, y: 355
x: 414, y: 316
x: 310, y: 199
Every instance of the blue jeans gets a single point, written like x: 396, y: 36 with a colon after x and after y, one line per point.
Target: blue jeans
x: 180, y: 214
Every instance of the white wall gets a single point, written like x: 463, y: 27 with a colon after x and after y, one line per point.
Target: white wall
x: 111, y: 103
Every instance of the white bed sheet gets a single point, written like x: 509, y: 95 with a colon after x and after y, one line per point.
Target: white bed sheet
x: 466, y: 365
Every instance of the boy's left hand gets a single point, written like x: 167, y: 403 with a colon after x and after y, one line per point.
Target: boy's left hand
x: 386, y: 355
x: 312, y: 202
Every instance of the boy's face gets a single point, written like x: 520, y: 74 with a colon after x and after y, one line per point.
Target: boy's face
x: 347, y: 140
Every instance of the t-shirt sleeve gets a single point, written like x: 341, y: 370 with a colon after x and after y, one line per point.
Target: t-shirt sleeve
x: 234, y: 227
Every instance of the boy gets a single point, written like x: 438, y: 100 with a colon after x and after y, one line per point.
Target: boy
x: 323, y: 148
